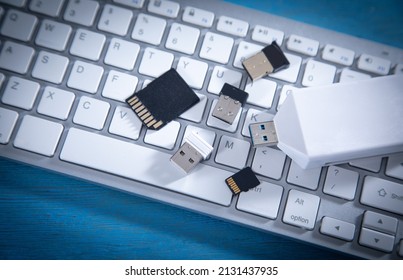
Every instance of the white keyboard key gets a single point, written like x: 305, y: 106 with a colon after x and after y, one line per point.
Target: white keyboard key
x: 165, y: 137
x: 192, y: 71
x: 56, y: 103
x: 254, y: 116
x: 289, y: 74
x: 198, y: 16
x: 267, y: 35
x: 382, y: 194
x: 244, y: 51
x: 341, y: 182
x: 380, y: 222
x: 394, y: 167
x: 16, y: 57
x: 149, y: 29
x: 269, y: 162
x: 195, y: 113
x: 145, y: 83
x: 19, y: 25
x: 125, y: 123
x: 164, y: 8
x: 285, y: 91
x: 131, y: 3
x: 232, y: 26
x: 122, y: 54
x: 374, y: 64
x: 232, y: 152
x: 182, y: 38
x: 261, y: 92
x: 53, y: 35
x: 398, y: 69
x: 303, y: 45
x: 139, y: 163
x: 206, y: 134
x: 377, y: 240
x: 301, y: 209
x: 216, y: 47
x: 217, y: 123
x: 338, y: 55
x: 15, y: 3
x: 152, y: 57
x: 91, y: 112
x: 85, y: 76
x: 30, y: 135
x: 115, y: 20
x: 2, y: 78
x: 8, y: 118
x: 263, y: 200
x: 47, y: 7
x: 82, y: 12
x: 119, y: 86
x: 348, y: 75
x: 371, y: 164
x: 87, y: 44
x: 318, y: 74
x: 222, y: 75
x: 50, y: 67
x: 20, y: 93
x: 337, y: 228
x: 306, y: 178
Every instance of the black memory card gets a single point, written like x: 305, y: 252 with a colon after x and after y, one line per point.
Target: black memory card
x: 162, y: 100
x: 242, y: 181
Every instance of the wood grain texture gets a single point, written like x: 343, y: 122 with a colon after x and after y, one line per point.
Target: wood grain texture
x: 44, y: 215
x: 48, y: 216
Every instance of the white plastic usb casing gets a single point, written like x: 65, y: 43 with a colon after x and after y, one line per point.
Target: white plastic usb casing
x: 192, y: 152
x: 338, y: 123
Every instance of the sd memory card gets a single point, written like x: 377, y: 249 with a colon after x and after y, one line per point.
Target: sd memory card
x: 162, y: 100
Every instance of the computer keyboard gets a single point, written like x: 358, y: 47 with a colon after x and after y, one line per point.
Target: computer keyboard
x: 67, y: 66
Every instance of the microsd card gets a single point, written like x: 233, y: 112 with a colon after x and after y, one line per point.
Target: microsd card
x: 242, y: 181
x: 162, y: 100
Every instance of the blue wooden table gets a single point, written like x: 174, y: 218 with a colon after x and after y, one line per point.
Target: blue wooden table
x: 48, y: 216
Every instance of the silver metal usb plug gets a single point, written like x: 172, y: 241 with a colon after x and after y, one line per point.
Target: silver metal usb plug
x: 263, y: 134
x: 191, y: 153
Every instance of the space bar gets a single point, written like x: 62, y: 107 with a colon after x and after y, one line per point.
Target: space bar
x: 144, y: 164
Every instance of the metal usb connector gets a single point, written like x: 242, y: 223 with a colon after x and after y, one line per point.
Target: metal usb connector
x: 263, y: 134
x: 191, y: 153
x: 229, y: 103
x: 269, y: 60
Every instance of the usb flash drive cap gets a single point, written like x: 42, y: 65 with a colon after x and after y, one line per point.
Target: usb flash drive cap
x: 348, y: 121
x: 263, y: 134
x: 193, y: 150
x: 271, y: 59
x: 229, y: 103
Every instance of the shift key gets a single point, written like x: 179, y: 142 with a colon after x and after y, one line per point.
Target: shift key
x: 382, y: 194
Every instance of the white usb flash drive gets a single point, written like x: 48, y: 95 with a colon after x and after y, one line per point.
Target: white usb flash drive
x: 338, y: 123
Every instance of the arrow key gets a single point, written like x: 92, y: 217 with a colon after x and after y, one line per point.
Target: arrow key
x: 376, y: 240
x: 337, y: 228
x: 380, y: 222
